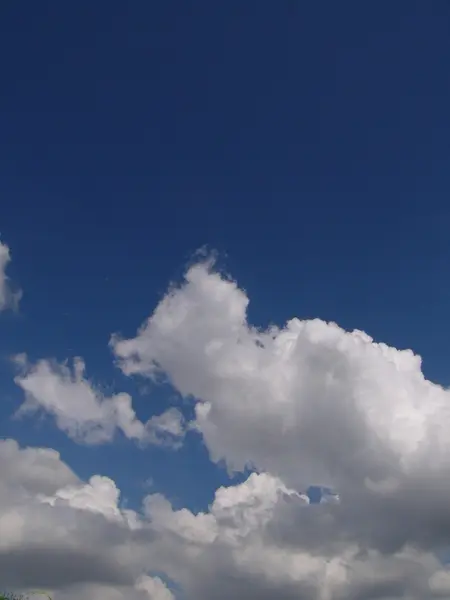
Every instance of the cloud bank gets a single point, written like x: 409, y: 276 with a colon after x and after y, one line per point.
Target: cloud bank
x: 73, y: 538
x: 307, y: 403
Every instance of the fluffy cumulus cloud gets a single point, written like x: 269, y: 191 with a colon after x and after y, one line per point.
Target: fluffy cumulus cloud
x: 308, y: 403
x: 75, y: 539
x: 84, y: 413
x: 8, y: 297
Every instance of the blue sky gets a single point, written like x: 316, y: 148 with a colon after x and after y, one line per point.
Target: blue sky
x: 305, y: 143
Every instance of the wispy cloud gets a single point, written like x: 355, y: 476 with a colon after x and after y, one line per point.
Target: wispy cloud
x: 84, y: 412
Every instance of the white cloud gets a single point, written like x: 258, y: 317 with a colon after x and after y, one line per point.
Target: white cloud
x: 311, y: 404
x: 84, y: 413
x: 353, y: 410
x: 238, y: 550
x: 263, y: 396
x: 74, y: 539
x: 8, y: 298
x: 100, y: 496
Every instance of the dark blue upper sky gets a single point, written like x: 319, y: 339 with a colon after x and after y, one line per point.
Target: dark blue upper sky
x: 306, y: 142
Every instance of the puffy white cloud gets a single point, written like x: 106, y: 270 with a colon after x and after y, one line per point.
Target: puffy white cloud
x: 237, y: 549
x: 86, y: 414
x: 100, y: 495
x: 352, y: 409
x: 310, y: 403
x: 8, y: 298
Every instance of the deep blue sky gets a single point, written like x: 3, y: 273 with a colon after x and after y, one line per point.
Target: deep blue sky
x: 307, y: 142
